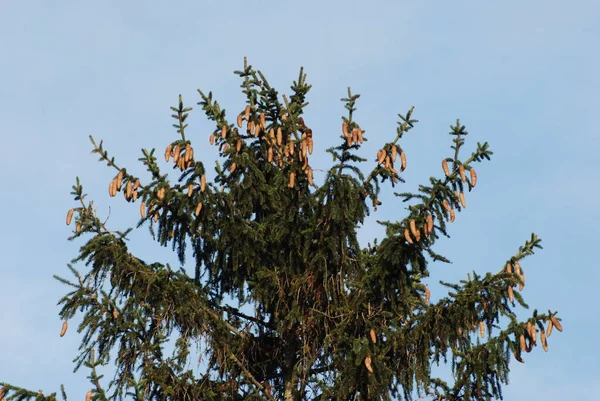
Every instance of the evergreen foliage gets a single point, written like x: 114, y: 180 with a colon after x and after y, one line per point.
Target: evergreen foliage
x: 277, y: 292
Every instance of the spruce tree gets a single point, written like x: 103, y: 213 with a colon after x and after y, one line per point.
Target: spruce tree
x: 273, y: 285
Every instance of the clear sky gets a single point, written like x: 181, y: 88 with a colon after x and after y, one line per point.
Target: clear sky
x: 522, y: 75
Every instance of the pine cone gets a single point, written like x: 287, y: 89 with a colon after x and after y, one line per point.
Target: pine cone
x: 473, y: 176
x: 368, y: 364
x: 63, y: 329
x: 556, y: 323
x: 69, y: 216
x: 461, y: 171
x: 407, y: 236
x: 445, y: 167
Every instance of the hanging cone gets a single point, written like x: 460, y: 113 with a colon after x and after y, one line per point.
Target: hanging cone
x: 69, y: 216
x: 63, y: 329
x: 556, y: 323
x: 445, y: 167
x: 262, y: 120
x: 461, y: 170
x: 129, y: 190
x: 402, y: 161
x: 368, y: 364
x: 446, y: 205
x: 119, y: 180
x: 345, y: 129
x: 407, y: 236
x: 473, y: 177
x: 380, y: 156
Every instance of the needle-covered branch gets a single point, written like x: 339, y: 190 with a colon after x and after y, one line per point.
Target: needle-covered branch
x: 281, y: 301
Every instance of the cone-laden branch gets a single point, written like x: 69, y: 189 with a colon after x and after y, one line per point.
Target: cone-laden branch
x: 133, y: 279
x: 330, y: 320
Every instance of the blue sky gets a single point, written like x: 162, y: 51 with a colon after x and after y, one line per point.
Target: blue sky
x: 521, y: 75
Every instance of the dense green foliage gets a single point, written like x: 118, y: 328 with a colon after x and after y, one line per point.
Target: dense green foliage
x: 277, y: 293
